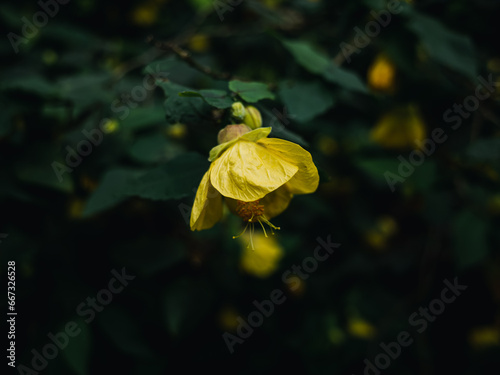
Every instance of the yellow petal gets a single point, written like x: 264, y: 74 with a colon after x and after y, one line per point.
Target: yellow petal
x: 207, y: 207
x: 253, y: 136
x: 306, y: 180
x: 276, y: 202
x: 247, y: 171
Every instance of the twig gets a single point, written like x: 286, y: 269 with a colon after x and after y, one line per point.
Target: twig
x: 186, y: 57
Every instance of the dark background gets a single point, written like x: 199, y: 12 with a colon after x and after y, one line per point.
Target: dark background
x: 125, y: 204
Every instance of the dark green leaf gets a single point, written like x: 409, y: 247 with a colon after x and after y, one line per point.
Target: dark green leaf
x: 485, y: 149
x: 445, y: 46
x: 111, y: 190
x: 176, y: 179
x: 470, y: 239
x: 140, y: 118
x: 305, y: 100
x: 344, y: 78
x: 153, y: 149
x: 216, y: 98
x: 77, y: 352
x: 251, y: 91
x: 307, y: 56
x: 319, y: 63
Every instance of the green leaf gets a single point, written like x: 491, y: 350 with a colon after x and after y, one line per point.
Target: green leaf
x: 318, y: 63
x: 153, y: 148
x: 216, y: 98
x: 39, y: 167
x: 173, y: 180
x: 110, y: 191
x: 85, y: 89
x: 453, y: 50
x: 485, y: 149
x: 305, y: 100
x: 344, y: 78
x: 307, y: 56
x: 251, y: 91
x: 30, y: 83
x: 77, y: 352
x: 470, y: 239
x: 140, y: 118
x: 186, y: 110
x: 161, y: 68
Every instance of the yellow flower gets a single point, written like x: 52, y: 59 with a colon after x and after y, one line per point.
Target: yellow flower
x: 177, y: 131
x: 382, y: 74
x: 358, y: 327
x: 256, y: 176
x: 199, y: 43
x: 145, y: 14
x: 264, y: 259
x: 484, y: 337
x: 400, y: 128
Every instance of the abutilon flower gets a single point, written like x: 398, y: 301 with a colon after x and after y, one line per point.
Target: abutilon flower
x: 254, y: 175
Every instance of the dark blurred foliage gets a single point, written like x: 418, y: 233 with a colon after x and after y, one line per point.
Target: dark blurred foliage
x: 94, y: 65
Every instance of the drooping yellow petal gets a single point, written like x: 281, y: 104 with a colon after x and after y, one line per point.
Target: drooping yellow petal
x: 306, y: 179
x: 276, y: 202
x: 247, y: 171
x: 207, y: 207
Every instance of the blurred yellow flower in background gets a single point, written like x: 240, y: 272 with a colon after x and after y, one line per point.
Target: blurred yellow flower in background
x: 145, y: 14
x: 400, y: 128
x: 176, y: 131
x: 382, y: 74
x: 360, y: 328
x: 378, y: 236
x: 75, y: 208
x: 110, y: 126
x: 327, y: 145
x: 228, y: 318
x: 199, y: 43
x: 484, y: 337
x: 264, y: 259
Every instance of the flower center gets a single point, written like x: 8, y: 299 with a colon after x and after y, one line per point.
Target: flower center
x: 249, y: 211
x: 253, y: 212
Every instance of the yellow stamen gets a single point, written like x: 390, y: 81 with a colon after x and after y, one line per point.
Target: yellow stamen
x: 242, y: 233
x: 252, y: 212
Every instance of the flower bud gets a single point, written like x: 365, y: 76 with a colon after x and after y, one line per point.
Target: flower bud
x: 238, y: 111
x: 252, y: 119
x: 231, y: 132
